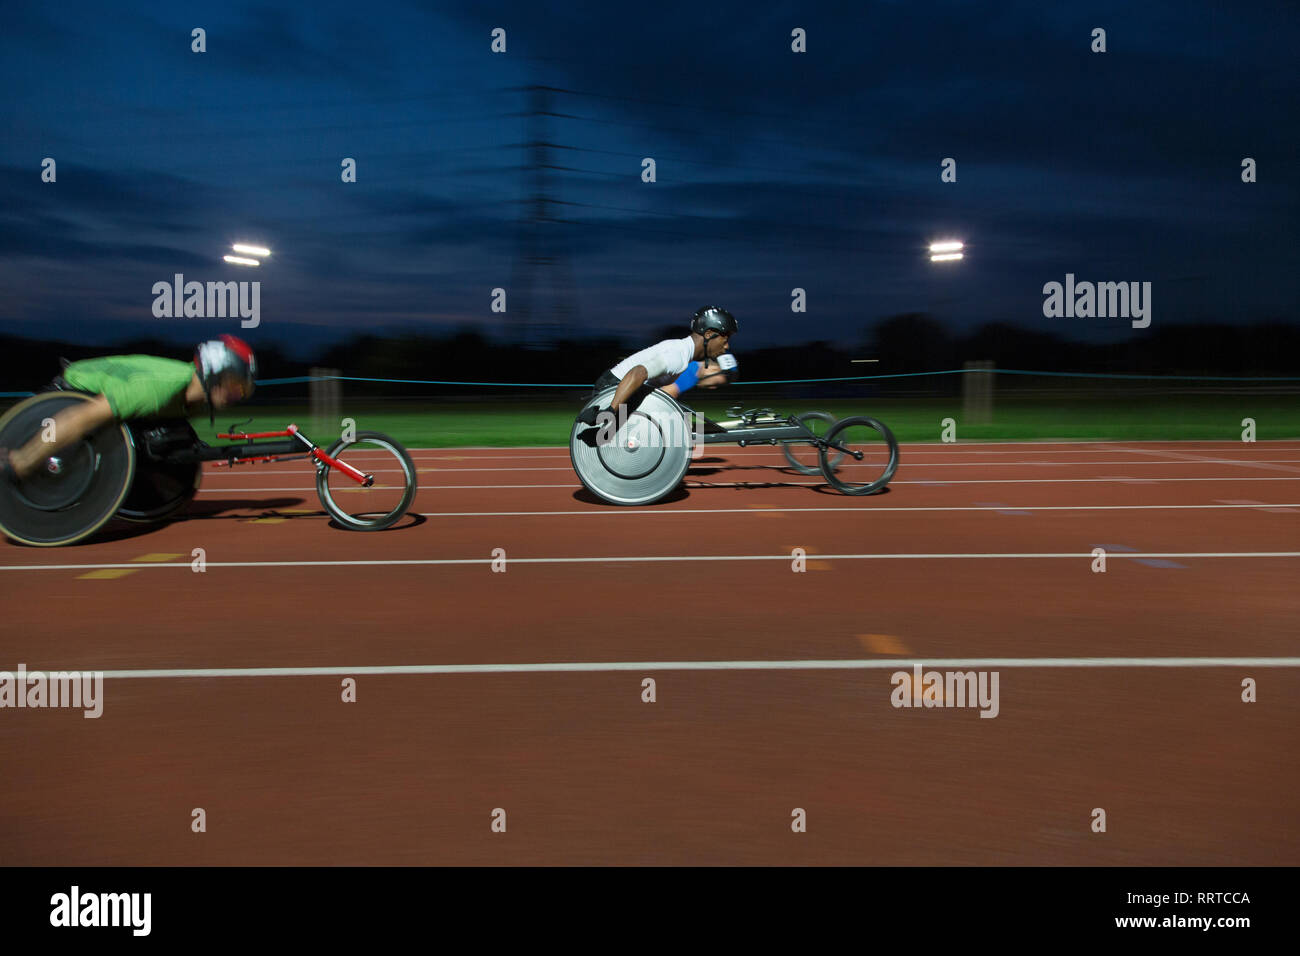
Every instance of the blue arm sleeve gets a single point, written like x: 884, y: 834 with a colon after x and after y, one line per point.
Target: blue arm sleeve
x: 686, y: 381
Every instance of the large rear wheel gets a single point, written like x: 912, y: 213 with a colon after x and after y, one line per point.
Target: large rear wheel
x: 74, y: 491
x: 639, y: 459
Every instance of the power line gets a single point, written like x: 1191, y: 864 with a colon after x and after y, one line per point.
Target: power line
x: 682, y: 106
x: 689, y: 132
x: 540, y: 256
x: 678, y: 159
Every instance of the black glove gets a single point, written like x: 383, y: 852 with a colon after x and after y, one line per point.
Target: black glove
x: 7, y: 471
x: 588, y: 415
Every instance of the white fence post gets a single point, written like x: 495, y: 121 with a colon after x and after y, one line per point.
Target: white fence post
x: 325, y: 398
x: 977, y: 393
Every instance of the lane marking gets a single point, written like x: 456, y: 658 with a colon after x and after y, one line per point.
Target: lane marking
x: 1125, y: 479
x: 1149, y: 562
x: 108, y: 574
x: 1262, y: 506
x: 911, y: 463
x: 1227, y: 442
x: 883, y: 644
x: 1001, y: 508
x: 755, y: 451
x: 935, y: 482
x: 964, y: 663
x: 763, y: 509
x: 654, y: 559
x: 814, y: 560
x: 1267, y: 464
x: 1186, y: 460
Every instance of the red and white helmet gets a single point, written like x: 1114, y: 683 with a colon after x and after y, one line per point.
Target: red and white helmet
x: 225, y: 358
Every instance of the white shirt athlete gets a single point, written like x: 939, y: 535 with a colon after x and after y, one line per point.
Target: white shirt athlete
x: 662, y: 362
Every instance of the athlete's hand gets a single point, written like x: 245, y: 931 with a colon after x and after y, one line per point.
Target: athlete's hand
x: 7, y: 471
x: 726, y: 373
x: 588, y: 416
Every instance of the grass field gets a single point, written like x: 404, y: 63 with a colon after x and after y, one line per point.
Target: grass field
x: 433, y: 423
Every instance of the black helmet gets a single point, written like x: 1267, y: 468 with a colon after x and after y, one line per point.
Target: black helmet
x: 711, y: 318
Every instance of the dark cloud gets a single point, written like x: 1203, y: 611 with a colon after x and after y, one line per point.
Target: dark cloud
x: 775, y: 170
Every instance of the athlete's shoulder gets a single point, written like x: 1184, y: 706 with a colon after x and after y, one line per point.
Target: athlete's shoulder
x: 127, y: 360
x: 669, y: 343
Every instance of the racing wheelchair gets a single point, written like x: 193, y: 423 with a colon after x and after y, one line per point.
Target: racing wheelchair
x: 148, y: 470
x: 643, y: 457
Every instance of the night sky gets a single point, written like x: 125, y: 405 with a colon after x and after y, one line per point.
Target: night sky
x: 775, y: 170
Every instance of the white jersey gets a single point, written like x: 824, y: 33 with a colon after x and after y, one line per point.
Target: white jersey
x: 663, y: 361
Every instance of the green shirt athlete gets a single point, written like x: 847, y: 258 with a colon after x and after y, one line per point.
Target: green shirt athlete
x: 139, y: 386
x: 136, y: 386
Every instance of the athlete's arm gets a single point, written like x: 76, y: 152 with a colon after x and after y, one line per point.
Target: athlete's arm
x: 70, y: 425
x: 633, y: 380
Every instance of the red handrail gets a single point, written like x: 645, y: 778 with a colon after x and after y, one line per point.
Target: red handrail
x: 284, y: 434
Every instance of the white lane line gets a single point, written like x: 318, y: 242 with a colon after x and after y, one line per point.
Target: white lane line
x: 910, y: 463
x: 731, y: 453
x: 1073, y: 464
x: 1253, y: 505
x: 1040, y: 481
x: 959, y: 448
x: 448, y: 454
x: 973, y: 445
x: 957, y: 663
x: 654, y: 559
x: 1272, y: 508
x: 936, y: 482
x: 1267, y: 464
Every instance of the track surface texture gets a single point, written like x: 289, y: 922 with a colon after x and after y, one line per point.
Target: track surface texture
x: 774, y: 669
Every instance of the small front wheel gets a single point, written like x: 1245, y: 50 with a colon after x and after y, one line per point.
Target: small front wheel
x: 860, y: 456
x: 806, y: 463
x: 379, y: 506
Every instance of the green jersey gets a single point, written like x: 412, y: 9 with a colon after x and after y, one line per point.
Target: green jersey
x: 136, y: 386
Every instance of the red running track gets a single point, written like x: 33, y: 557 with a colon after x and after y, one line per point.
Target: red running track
x: 714, y: 770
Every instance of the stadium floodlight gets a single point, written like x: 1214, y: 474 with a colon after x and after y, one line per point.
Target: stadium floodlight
x: 948, y: 245
x: 241, y: 261
x: 946, y: 257
x: 251, y: 250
